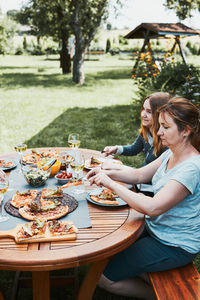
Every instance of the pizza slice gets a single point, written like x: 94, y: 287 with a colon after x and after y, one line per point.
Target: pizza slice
x: 6, y: 164
x: 31, y: 158
x: 23, y: 198
x: 71, y: 182
x: 106, y: 196
x: 32, y: 231
x: 58, y: 228
x: 94, y: 162
x: 52, y: 193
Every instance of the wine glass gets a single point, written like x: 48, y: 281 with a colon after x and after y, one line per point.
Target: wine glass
x: 3, y: 189
x: 74, y: 140
x: 77, y: 166
x: 20, y: 149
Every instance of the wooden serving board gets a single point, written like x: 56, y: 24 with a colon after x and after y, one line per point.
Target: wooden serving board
x: 47, y: 238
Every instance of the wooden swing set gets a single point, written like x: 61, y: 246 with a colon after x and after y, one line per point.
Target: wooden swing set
x: 148, y: 31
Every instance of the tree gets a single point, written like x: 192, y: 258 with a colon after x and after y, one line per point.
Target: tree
x: 50, y: 18
x: 86, y: 16
x: 12, y: 13
x: 8, y: 28
x: 183, y: 8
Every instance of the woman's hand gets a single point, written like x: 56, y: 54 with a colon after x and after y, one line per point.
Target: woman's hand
x: 101, y: 179
x: 93, y: 172
x: 110, y: 150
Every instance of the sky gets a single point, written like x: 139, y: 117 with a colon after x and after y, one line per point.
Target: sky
x: 132, y: 14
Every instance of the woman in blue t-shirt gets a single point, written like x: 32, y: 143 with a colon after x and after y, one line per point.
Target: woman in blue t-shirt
x: 172, y: 234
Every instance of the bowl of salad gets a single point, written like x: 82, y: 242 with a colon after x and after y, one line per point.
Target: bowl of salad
x: 34, y: 176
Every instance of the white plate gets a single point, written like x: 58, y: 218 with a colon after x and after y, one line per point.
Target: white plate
x: 9, y: 168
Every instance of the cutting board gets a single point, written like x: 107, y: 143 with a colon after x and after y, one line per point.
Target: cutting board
x: 12, y: 233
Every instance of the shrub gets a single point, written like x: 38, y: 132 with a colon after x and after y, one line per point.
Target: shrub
x: 177, y: 79
x: 19, y: 51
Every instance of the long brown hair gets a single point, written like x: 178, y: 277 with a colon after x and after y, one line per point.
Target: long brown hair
x: 156, y: 100
x: 184, y: 113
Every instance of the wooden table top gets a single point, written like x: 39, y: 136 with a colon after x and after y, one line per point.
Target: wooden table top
x: 113, y: 229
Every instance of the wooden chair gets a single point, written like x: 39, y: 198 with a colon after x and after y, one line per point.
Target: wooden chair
x: 177, y: 284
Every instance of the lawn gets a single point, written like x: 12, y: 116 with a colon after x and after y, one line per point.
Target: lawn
x: 34, y: 93
x: 41, y: 107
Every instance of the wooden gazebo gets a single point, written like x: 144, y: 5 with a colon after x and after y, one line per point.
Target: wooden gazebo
x: 149, y: 31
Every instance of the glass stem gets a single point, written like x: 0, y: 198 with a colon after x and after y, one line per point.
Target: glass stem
x: 1, y: 203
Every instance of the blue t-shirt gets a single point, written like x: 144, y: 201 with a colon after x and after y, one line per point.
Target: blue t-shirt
x: 180, y: 225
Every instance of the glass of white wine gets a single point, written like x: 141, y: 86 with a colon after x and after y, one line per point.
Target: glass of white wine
x: 4, y: 183
x: 74, y: 140
x: 77, y: 166
x: 20, y: 149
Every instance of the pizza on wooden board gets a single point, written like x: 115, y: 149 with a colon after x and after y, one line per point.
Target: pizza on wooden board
x: 106, y: 196
x: 41, y: 230
x: 34, y: 230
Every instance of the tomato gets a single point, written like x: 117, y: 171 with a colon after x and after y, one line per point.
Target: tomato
x: 69, y: 175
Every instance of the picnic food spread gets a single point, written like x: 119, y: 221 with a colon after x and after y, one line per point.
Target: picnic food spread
x: 43, y: 208
x: 106, y: 196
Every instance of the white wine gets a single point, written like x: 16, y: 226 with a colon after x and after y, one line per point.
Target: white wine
x: 20, y: 147
x: 74, y: 143
x: 76, y: 166
x: 3, y: 188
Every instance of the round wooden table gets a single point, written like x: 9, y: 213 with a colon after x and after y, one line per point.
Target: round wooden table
x: 113, y: 229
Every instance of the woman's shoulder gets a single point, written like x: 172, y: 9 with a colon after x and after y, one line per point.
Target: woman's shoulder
x: 166, y: 154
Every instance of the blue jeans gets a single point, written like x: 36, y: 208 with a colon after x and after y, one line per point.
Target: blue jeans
x: 145, y: 255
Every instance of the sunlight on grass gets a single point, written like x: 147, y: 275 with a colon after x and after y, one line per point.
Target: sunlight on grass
x: 34, y: 92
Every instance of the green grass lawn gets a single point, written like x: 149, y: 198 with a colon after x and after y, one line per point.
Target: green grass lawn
x: 41, y: 107
x: 34, y: 93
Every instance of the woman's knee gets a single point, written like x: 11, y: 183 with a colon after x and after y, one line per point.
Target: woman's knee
x: 105, y: 283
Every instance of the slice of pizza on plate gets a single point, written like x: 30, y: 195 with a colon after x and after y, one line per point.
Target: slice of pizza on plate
x: 106, y: 196
x: 6, y: 163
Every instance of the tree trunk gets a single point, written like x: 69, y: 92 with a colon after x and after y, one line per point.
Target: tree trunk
x: 78, y: 60
x: 78, y: 73
x: 65, y: 61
